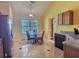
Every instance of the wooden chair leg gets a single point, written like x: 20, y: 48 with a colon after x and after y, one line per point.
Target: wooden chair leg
x: 40, y: 41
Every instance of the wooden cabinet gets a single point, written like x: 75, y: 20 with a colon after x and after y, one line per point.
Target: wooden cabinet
x: 60, y: 18
x: 65, y: 18
x: 70, y: 52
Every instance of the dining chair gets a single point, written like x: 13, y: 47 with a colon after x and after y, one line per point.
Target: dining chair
x: 30, y: 39
x: 39, y: 38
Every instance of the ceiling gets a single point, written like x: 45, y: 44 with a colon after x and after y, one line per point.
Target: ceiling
x: 21, y: 8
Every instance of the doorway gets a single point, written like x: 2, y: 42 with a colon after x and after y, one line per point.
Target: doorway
x: 51, y: 28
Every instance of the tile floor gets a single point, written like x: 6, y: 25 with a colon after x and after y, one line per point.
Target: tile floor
x: 47, y: 50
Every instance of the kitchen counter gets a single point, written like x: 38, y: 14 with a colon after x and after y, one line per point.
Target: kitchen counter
x: 72, y: 43
x: 72, y: 40
x: 70, y: 34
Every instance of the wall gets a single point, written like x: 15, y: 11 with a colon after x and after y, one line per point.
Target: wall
x: 41, y: 24
x: 58, y: 7
x: 4, y: 9
x: 10, y: 11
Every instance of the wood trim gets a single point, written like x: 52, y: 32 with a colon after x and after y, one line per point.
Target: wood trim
x: 52, y: 27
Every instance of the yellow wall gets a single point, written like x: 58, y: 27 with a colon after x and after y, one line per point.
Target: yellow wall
x: 40, y: 24
x: 58, y: 7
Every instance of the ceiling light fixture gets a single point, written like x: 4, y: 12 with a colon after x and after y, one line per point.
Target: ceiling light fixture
x: 30, y: 8
x: 30, y: 15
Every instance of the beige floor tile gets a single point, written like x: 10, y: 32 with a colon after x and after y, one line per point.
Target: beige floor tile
x: 47, y: 50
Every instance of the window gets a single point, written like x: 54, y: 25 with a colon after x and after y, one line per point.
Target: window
x: 29, y: 25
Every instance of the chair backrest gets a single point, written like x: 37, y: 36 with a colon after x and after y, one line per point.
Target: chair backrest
x: 28, y: 36
x: 43, y: 34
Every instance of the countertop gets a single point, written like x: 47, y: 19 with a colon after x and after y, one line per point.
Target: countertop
x: 73, y: 41
x: 70, y: 34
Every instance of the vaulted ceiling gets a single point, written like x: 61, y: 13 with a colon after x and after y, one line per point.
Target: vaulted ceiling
x: 21, y: 8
